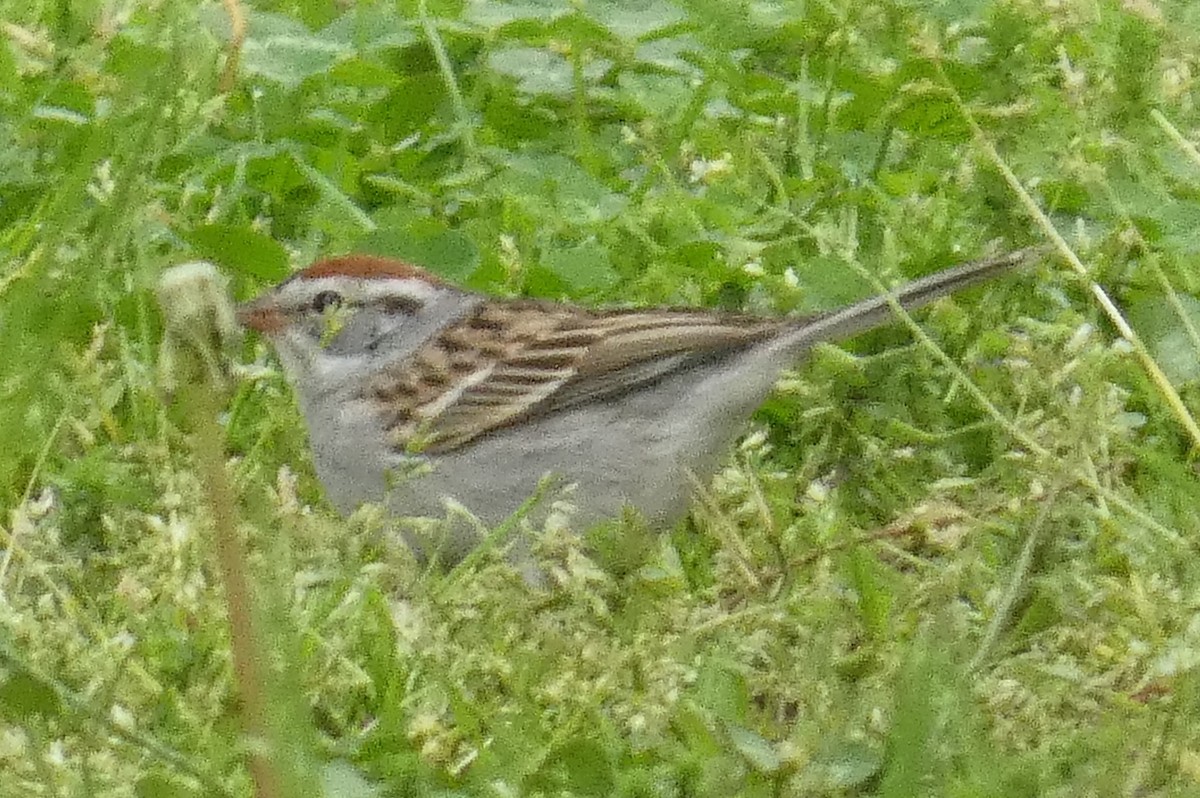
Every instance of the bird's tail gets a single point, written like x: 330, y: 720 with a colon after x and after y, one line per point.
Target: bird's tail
x: 872, y: 312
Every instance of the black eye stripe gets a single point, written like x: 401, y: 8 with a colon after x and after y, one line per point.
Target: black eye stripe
x: 326, y: 299
x: 395, y: 304
x: 400, y: 304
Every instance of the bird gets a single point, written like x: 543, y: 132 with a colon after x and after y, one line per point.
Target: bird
x: 417, y: 392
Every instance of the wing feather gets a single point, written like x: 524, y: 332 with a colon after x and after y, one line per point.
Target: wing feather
x: 529, y: 359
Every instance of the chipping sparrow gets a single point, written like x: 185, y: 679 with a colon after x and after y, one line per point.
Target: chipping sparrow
x: 394, y: 367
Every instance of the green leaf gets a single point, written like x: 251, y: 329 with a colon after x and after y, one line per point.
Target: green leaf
x: 874, y: 596
x: 242, y: 249
x: 1168, y: 336
x: 635, y: 19
x: 1180, y: 225
x: 368, y: 27
x: 758, y: 751
x: 581, y: 766
x: 721, y: 691
x: 160, y: 785
x: 828, y: 283
x: 691, y: 723
x: 556, y: 187
x: 290, y: 59
x: 657, y: 94
x: 22, y: 696
x: 497, y: 14
x: 841, y: 765
x: 583, y: 267
x: 932, y: 115
x: 429, y: 244
x: 363, y: 74
x: 340, y: 779
x: 537, y: 71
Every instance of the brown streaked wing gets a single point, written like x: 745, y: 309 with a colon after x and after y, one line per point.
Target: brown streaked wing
x: 539, y: 358
x: 636, y: 337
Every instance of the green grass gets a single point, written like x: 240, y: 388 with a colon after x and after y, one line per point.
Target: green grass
x: 961, y: 564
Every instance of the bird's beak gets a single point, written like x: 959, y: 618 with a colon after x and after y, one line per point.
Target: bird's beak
x: 261, y: 315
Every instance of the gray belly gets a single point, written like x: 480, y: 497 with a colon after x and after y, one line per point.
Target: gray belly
x: 639, y: 454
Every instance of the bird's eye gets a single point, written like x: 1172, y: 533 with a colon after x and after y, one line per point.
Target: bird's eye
x: 326, y: 299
